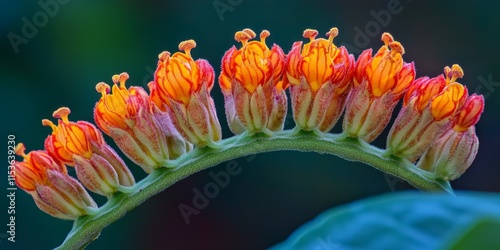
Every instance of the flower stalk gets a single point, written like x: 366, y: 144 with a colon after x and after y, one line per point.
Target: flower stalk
x: 87, y: 228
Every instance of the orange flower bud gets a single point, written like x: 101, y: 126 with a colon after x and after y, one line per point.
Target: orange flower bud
x: 453, y: 153
x: 379, y: 83
x: 133, y: 121
x: 111, y: 109
x: 70, y: 135
x: 253, y: 65
x: 47, y: 181
x: 320, y: 77
x: 386, y: 71
x: 182, y: 88
x: 79, y: 144
x: 250, y: 80
x: 428, y: 108
x: 32, y: 171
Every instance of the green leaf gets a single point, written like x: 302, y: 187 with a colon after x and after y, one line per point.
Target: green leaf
x: 483, y: 234
x: 407, y: 220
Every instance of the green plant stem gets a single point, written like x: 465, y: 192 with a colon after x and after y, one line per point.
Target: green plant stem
x: 88, y: 228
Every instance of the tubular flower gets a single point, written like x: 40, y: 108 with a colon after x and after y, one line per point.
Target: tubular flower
x: 320, y: 78
x: 81, y: 144
x: 254, y: 94
x: 47, y: 181
x: 428, y: 108
x: 379, y: 83
x: 453, y: 153
x: 182, y: 88
x: 139, y: 128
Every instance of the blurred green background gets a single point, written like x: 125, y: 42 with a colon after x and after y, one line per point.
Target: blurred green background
x: 80, y: 43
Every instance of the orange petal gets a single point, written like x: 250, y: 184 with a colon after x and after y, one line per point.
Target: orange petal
x: 470, y: 113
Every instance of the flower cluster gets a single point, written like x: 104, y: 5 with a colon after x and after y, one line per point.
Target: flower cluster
x: 378, y: 84
x: 320, y: 76
x: 434, y: 128
x: 250, y: 80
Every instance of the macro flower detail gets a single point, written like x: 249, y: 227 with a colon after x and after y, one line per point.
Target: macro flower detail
x: 428, y: 108
x: 47, y: 181
x: 182, y: 88
x: 254, y: 95
x: 143, y: 132
x: 319, y: 74
x: 452, y: 154
x: 432, y: 141
x: 80, y: 144
x: 378, y: 84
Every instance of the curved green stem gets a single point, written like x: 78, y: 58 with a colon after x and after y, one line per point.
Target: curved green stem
x: 87, y: 228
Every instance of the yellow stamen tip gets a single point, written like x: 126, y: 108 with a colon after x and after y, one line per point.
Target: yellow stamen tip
x: 163, y: 56
x: 187, y: 45
x: 121, y: 78
x: 447, y: 70
x: 457, y: 67
x: 250, y: 33
x: 19, y: 150
x: 115, y: 78
x: 310, y: 33
x: 62, y: 113
x: 242, y: 36
x: 453, y: 73
x: 49, y: 123
x: 102, y: 88
x: 397, y: 47
x: 264, y: 34
x: 334, y: 32
x: 387, y: 38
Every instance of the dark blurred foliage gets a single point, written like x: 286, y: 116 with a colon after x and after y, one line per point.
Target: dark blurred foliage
x: 85, y: 42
